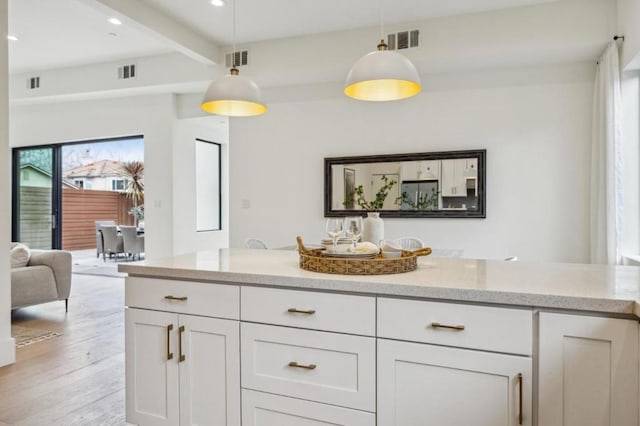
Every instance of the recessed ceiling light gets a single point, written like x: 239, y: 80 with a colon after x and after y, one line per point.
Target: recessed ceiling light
x: 217, y: 2
x: 12, y: 37
x: 115, y: 21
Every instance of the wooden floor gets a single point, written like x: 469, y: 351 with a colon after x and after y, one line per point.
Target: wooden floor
x: 76, y: 378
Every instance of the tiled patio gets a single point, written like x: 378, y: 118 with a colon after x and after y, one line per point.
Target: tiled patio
x: 85, y: 262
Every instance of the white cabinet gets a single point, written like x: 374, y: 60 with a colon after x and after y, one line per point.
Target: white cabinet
x: 455, y: 174
x: 152, y: 384
x: 332, y: 371
x: 420, y: 170
x: 435, y: 383
x: 264, y: 409
x: 333, y: 368
x: 588, y: 371
x: 181, y: 369
x: 421, y: 384
x: 341, y: 313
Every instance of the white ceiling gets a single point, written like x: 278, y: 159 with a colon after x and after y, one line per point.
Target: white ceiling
x: 258, y: 20
x: 65, y: 33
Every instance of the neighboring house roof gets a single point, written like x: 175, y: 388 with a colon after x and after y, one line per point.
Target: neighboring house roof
x: 102, y: 168
x: 47, y: 175
x: 35, y: 168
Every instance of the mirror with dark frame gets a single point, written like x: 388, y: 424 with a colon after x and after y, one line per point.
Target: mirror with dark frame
x: 431, y: 184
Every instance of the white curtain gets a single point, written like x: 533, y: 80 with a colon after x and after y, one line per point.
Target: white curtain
x: 606, y: 161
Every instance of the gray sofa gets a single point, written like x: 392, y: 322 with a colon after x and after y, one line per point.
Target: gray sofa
x: 46, y: 278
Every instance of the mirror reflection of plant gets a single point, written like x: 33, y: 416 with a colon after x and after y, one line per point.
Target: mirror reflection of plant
x: 423, y: 202
x: 349, y: 198
x: 381, y: 195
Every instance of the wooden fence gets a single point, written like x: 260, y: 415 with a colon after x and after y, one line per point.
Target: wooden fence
x: 80, y: 210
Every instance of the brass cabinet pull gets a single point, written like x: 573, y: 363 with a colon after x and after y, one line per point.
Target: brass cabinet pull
x: 181, y: 356
x: 520, y: 414
x: 301, y: 311
x: 169, y: 353
x: 450, y: 327
x: 170, y: 297
x: 306, y: 367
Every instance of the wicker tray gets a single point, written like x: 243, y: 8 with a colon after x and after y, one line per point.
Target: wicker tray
x: 314, y: 260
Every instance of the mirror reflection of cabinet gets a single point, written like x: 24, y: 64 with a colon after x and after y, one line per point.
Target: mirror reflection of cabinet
x: 435, y: 184
x: 420, y: 170
x: 458, y: 176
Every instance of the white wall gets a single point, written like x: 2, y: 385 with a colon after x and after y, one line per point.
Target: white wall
x: 151, y: 116
x: 168, y: 150
x: 7, y: 344
x: 186, y: 131
x: 629, y: 27
x: 534, y: 122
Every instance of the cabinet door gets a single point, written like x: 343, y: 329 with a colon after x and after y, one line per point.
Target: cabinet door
x: 588, y: 371
x: 429, y: 170
x: 209, y: 371
x: 409, y: 170
x: 471, y: 167
x: 421, y: 384
x: 453, y: 180
x: 265, y: 409
x: 151, y: 367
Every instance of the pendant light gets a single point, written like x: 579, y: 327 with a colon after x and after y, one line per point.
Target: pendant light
x: 233, y: 95
x: 382, y: 75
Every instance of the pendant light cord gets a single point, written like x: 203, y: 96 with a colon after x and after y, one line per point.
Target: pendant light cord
x: 381, y: 19
x: 233, y: 11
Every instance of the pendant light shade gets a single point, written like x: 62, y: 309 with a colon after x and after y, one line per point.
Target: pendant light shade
x: 382, y: 75
x: 233, y: 95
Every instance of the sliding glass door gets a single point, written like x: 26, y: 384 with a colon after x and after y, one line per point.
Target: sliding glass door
x: 60, y: 191
x: 36, y: 201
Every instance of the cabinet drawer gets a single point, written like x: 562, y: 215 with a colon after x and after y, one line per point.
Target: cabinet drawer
x: 305, y: 309
x: 466, y: 326
x: 324, y: 367
x: 185, y: 297
x: 263, y: 409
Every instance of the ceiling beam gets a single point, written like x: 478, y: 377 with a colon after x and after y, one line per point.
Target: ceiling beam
x: 155, y: 23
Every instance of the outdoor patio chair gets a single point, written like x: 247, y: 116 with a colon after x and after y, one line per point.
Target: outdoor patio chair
x: 99, y: 242
x: 113, y: 243
x: 133, y: 243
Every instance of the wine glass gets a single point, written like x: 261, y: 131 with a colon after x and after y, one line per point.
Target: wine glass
x: 334, y: 229
x: 353, y: 228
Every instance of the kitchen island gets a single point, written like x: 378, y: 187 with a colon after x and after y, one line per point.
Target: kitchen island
x: 540, y: 343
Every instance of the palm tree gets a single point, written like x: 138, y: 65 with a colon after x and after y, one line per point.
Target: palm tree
x: 133, y: 171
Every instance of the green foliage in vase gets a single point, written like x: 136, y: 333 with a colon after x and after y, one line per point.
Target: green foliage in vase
x: 423, y: 202
x: 381, y: 195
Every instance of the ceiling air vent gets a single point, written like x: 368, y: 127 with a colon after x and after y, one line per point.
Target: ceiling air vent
x: 403, y: 40
x: 33, y: 83
x: 241, y: 58
x: 127, y: 72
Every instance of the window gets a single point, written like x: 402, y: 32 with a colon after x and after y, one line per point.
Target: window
x: 208, y: 197
x: 118, y: 185
x: 79, y: 184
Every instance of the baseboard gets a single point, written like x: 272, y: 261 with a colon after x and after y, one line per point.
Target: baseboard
x: 7, y: 351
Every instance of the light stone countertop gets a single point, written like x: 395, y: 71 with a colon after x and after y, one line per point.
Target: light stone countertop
x: 595, y: 288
